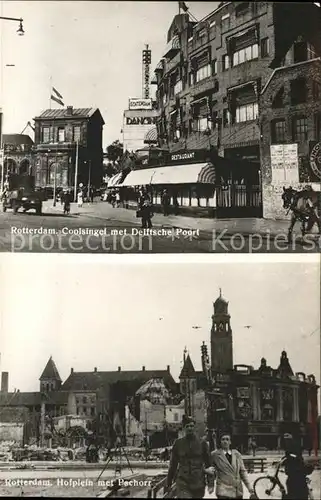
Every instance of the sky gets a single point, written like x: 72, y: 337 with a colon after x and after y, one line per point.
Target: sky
x: 93, y: 313
x: 92, y: 51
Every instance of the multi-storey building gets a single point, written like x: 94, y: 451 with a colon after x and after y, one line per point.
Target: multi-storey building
x: 212, y: 79
x: 68, y: 147
x: 260, y: 403
x: 18, y: 151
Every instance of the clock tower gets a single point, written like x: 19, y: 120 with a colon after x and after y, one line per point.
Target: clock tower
x: 221, y: 337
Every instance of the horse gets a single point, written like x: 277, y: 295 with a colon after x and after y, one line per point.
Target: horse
x: 305, y: 206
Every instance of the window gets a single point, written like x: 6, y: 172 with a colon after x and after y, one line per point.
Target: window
x: 316, y: 90
x: 278, y: 99
x: 178, y: 87
x: 278, y: 131
x: 214, y: 67
x: 311, y: 53
x: 175, y: 417
x: 242, y: 8
x: 226, y: 62
x: 45, y: 134
x: 77, y: 410
x: 226, y: 117
x: 92, y: 410
x: 201, y: 124
x: 246, y: 113
x: 76, y: 133
x: 265, y: 47
x: 61, y: 135
x: 225, y: 22
x: 317, y: 126
x: 201, y: 33
x: 84, y: 400
x: 203, y: 72
x: 300, y: 129
x: 298, y: 91
x: 246, y: 54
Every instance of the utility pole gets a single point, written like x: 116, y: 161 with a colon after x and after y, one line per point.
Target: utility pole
x: 76, y: 171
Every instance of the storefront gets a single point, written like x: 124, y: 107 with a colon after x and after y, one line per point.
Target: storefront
x: 188, y: 178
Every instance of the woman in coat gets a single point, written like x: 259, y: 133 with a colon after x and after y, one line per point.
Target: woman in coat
x: 229, y: 470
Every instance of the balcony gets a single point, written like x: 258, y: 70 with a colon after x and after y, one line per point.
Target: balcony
x: 172, y: 48
x: 205, y: 86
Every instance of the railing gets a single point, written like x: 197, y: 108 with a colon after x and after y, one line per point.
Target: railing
x: 255, y: 464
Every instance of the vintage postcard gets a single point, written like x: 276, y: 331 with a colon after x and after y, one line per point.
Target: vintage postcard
x: 145, y: 389
x: 160, y: 127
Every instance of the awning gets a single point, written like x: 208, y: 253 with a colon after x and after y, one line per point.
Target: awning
x: 151, y: 136
x: 114, y: 180
x: 193, y: 173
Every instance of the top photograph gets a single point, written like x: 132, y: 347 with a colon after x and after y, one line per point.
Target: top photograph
x: 160, y: 127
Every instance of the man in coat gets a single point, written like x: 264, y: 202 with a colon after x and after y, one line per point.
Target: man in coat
x: 190, y: 464
x: 230, y: 470
x: 295, y: 469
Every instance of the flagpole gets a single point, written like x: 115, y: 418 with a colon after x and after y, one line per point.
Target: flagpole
x: 50, y: 91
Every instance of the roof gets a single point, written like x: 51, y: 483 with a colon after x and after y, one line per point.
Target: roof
x: 17, y: 139
x: 62, y: 113
x: 79, y: 381
x: 188, y: 369
x: 50, y: 371
x: 18, y: 398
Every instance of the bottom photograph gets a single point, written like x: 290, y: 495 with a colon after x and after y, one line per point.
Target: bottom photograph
x: 160, y: 380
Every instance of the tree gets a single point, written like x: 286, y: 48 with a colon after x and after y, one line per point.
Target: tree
x: 114, y: 151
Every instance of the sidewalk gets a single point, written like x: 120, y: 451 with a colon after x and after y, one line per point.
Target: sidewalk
x: 105, y: 211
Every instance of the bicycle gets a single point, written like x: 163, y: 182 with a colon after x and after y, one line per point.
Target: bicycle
x: 270, y: 486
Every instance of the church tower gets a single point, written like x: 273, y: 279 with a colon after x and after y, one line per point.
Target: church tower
x: 50, y: 379
x: 221, y: 337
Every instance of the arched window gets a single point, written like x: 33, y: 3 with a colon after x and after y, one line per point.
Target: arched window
x: 24, y: 167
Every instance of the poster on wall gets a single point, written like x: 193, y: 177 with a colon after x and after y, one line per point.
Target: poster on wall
x: 284, y: 163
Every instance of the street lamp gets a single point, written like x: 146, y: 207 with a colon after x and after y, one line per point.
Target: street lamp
x: 20, y: 30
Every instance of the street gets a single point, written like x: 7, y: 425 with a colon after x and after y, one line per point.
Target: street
x: 92, y: 232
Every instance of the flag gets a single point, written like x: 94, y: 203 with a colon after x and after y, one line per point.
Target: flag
x: 56, y: 96
x: 57, y: 93
x: 59, y: 101
x: 183, y: 6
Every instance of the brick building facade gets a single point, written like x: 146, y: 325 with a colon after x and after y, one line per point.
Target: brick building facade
x: 209, y: 85
x: 63, y: 137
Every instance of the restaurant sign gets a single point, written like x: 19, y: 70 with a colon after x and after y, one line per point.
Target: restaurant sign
x: 192, y: 156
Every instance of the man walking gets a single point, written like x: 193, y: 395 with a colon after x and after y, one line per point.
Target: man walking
x: 230, y: 470
x: 190, y: 464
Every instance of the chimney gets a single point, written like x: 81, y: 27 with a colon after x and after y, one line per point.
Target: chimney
x: 119, y: 368
x: 168, y: 368
x: 143, y: 368
x: 95, y: 369
x: 4, y: 381
x: 71, y: 370
x: 69, y: 111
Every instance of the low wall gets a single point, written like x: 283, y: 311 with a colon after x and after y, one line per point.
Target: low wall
x: 11, y: 432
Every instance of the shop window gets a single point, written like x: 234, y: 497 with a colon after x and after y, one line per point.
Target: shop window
x: 246, y: 54
x: 300, y: 129
x: 278, y: 131
x: 203, y: 72
x: 225, y: 62
x: 45, y: 134
x: 246, y: 113
x: 61, y: 135
x: 225, y: 22
x: 265, y: 47
x: 298, y: 91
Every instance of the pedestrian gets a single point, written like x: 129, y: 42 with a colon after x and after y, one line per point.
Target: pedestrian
x: 67, y: 198
x: 80, y: 198
x: 230, y: 470
x: 145, y: 210
x: 175, y: 205
x: 92, y: 194
x: 296, y: 470
x: 254, y: 446
x: 190, y: 464
x: 165, y: 202
x: 117, y: 199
